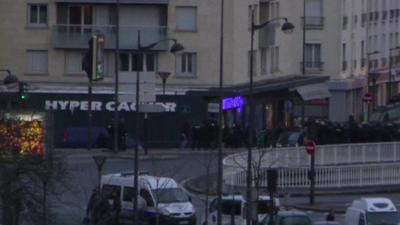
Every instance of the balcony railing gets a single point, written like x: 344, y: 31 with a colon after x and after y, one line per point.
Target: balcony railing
x: 314, y: 22
x: 77, y: 36
x: 312, y: 66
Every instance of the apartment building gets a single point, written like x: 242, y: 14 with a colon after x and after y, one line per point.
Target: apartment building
x: 369, y: 57
x: 43, y: 42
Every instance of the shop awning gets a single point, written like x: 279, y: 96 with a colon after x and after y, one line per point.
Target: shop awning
x: 277, y: 84
x: 313, y: 91
x: 152, y: 2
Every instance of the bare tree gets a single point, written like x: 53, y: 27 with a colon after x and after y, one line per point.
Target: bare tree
x: 27, y: 175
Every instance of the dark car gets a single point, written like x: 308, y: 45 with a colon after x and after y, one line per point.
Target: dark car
x: 77, y: 137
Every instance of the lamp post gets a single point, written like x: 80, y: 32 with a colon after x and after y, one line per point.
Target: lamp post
x: 116, y: 81
x: 369, y: 54
x: 220, y: 97
x: 164, y: 76
x: 390, y: 72
x: 174, y: 48
x: 287, y: 27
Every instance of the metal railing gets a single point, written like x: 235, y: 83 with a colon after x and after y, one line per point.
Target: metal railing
x: 342, y: 165
x: 312, y: 65
x: 327, y: 177
x: 314, y: 22
x: 77, y: 36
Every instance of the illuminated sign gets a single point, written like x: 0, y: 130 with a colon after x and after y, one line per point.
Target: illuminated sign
x: 233, y: 102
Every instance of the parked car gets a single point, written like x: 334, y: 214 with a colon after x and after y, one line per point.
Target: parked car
x: 290, y: 217
x: 372, y: 211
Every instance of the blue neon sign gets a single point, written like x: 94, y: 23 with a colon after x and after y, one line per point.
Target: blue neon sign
x: 233, y: 102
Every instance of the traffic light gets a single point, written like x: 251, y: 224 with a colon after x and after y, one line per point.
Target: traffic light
x: 93, y: 61
x: 23, y: 91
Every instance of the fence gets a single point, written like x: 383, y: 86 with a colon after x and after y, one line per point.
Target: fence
x: 346, y: 165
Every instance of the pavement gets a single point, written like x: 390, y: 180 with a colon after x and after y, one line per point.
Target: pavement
x: 203, y: 185
x: 152, y: 154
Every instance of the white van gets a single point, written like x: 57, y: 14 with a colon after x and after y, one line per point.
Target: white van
x: 372, y: 211
x: 234, y: 208
x: 157, y: 196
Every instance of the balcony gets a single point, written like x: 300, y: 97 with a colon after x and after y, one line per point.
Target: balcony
x: 312, y: 66
x: 314, y: 22
x: 77, y: 36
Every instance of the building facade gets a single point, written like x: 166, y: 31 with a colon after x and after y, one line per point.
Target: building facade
x: 43, y: 42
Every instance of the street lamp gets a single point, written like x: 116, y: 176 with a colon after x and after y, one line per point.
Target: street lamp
x: 220, y: 97
x: 164, y: 76
x: 9, y: 80
x: 390, y: 71
x: 287, y: 28
x: 174, y: 48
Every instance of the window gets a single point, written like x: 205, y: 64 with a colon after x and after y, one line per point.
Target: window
x: 345, y: 22
x: 186, y: 64
x: 362, y: 54
x: 263, y: 63
x: 131, y: 62
x: 37, y: 62
x: 314, y: 13
x: 128, y: 194
x: 108, y: 189
x: 124, y: 62
x: 312, y: 55
x: 186, y: 18
x: 137, y: 61
x: 274, y: 62
x: 147, y: 197
x: 37, y: 14
x: 73, y: 62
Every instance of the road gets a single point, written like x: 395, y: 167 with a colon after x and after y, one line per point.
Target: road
x: 82, y: 178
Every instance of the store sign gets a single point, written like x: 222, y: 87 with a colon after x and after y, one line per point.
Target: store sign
x: 109, y: 106
x: 233, y: 102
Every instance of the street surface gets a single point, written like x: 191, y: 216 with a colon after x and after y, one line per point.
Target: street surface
x: 70, y: 208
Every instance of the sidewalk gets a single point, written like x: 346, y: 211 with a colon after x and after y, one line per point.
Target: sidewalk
x: 152, y: 154
x: 297, y: 198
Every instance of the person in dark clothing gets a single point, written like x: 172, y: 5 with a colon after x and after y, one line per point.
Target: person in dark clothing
x: 110, y: 131
x: 331, y: 215
x: 101, y: 213
x: 115, y: 207
x: 121, y: 135
x: 93, y: 201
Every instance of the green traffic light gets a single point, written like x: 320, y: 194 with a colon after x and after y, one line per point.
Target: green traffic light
x: 24, y: 97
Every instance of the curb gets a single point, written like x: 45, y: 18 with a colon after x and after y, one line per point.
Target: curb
x: 113, y: 156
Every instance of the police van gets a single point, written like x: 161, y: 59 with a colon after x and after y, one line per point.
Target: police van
x: 158, y: 196
x: 372, y: 211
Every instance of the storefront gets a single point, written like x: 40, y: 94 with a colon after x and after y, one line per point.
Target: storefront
x: 277, y: 102
x: 70, y: 110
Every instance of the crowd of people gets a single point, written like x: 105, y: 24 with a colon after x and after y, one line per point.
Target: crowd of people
x: 204, y: 135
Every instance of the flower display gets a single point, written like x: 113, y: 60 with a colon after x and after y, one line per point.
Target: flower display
x: 22, y: 136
